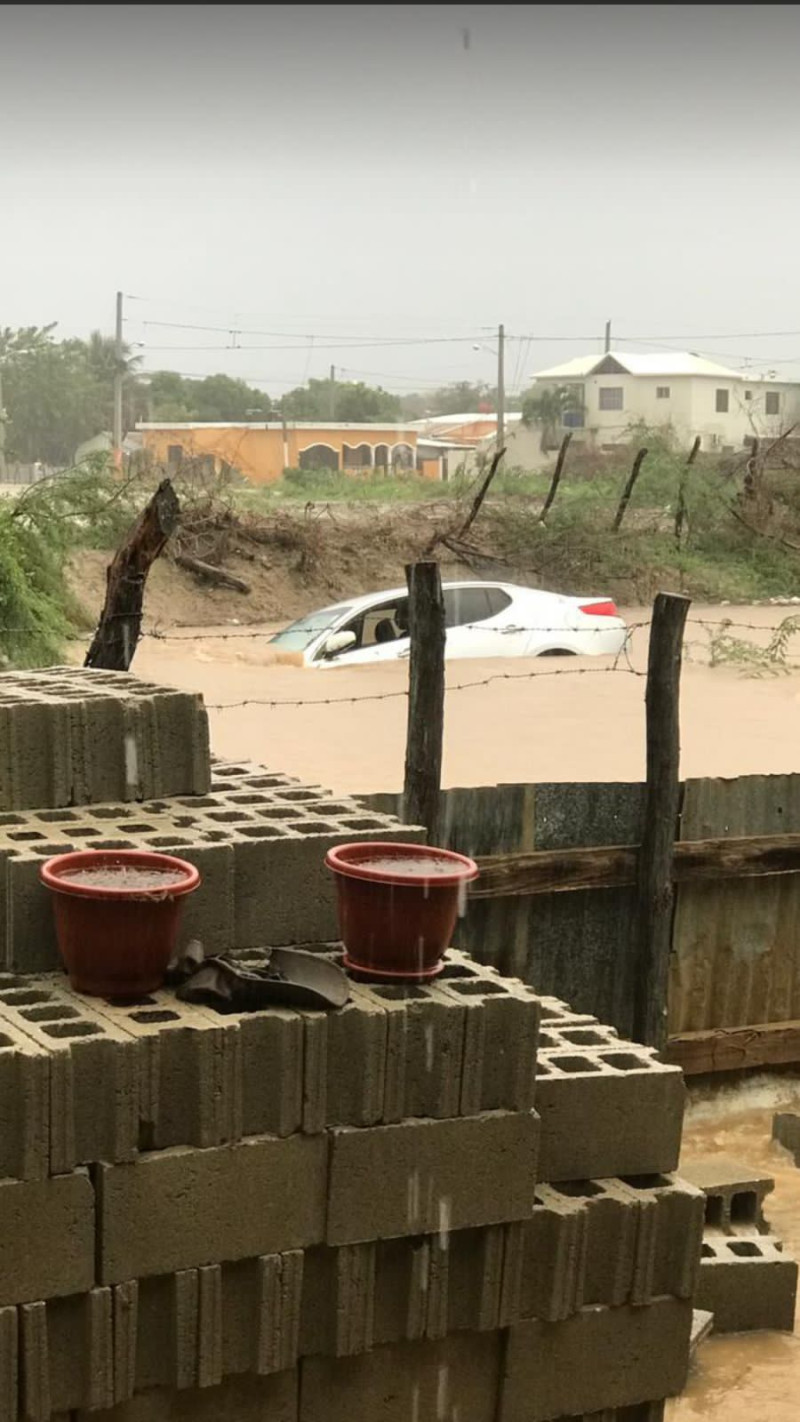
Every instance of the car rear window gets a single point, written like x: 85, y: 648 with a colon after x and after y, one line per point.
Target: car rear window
x: 467, y: 605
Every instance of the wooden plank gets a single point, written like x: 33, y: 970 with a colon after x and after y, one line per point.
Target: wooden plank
x: 735, y: 1048
x: 552, y: 871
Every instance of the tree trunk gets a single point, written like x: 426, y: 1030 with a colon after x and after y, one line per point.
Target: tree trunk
x: 119, y: 628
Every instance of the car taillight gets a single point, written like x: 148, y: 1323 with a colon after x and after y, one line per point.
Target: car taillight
x: 599, y: 609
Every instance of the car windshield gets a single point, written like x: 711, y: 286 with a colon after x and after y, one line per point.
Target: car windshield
x: 299, y: 635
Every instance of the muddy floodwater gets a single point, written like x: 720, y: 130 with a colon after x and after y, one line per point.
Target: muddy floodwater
x: 747, y: 1377
x: 573, y: 718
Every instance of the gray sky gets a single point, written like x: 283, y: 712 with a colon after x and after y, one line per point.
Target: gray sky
x: 382, y: 174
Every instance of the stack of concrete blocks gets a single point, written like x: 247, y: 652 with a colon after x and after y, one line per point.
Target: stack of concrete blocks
x: 453, y: 1201
x: 746, y: 1279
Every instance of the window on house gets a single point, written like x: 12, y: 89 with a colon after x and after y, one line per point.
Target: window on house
x: 611, y: 397
x: 662, y: 392
x: 572, y: 419
x: 772, y: 402
x: 748, y: 394
x: 723, y: 399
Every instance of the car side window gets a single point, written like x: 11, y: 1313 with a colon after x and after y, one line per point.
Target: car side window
x: 388, y: 622
x: 463, y: 606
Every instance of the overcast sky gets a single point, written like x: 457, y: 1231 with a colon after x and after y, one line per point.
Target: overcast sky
x: 388, y: 174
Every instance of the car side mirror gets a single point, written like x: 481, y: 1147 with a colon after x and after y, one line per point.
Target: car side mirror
x: 338, y: 642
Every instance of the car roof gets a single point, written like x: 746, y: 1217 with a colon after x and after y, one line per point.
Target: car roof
x: 353, y: 604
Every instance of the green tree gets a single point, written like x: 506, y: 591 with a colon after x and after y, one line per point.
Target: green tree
x: 349, y: 400
x: 546, y: 408
x: 215, y: 399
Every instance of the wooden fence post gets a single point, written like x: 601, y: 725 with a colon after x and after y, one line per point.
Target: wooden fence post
x: 423, y: 770
x: 117, y: 634
x: 628, y: 490
x: 661, y: 806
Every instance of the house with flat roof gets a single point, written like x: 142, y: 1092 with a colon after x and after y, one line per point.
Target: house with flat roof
x: 261, y: 451
x: 679, y: 389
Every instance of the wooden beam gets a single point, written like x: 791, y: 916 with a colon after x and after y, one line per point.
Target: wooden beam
x: 554, y: 871
x: 735, y: 1048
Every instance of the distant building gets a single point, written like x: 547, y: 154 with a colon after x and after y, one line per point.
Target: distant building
x: 261, y: 452
x: 694, y: 396
x: 467, y: 429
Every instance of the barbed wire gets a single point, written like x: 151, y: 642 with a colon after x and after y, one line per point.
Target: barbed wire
x: 403, y: 692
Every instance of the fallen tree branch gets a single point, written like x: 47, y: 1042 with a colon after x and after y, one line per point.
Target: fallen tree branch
x: 119, y: 628
x: 457, y: 534
x: 210, y: 574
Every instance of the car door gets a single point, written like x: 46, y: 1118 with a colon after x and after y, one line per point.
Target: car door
x: 372, y: 626
x: 475, y: 618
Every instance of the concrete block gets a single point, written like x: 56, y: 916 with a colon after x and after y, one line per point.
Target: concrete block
x: 734, y: 1194
x: 9, y: 1364
x: 607, y: 1112
x: 183, y: 1208
x: 406, y: 1382
x: 93, y: 1071
x: 556, y: 1013
x: 500, y: 1041
x: 71, y: 736
x: 599, y: 1358
x: 668, y: 1238
x: 544, y: 1259
x: 24, y: 1103
x: 747, y: 1283
x: 162, y: 1325
x: 67, y: 1355
x: 427, y: 1177
x: 189, y: 1070
x: 333, y: 1092
x: 241, y: 1399
x: 424, y: 1051
x: 47, y: 1234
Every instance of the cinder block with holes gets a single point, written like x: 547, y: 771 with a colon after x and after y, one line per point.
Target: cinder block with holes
x: 237, y: 1399
x: 606, y: 1110
x: 451, y: 1377
x: 171, y: 1210
x: 600, y: 1358
x: 24, y: 1103
x: 430, y: 1177
x: 74, y: 736
x: 47, y: 1237
x: 424, y: 1050
x: 93, y: 1071
x: 501, y: 1032
x: 66, y: 1354
x: 747, y: 1283
x: 556, y: 1013
x: 189, y: 1069
x: 734, y: 1195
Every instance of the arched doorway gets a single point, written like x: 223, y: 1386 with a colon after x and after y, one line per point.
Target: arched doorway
x: 319, y: 456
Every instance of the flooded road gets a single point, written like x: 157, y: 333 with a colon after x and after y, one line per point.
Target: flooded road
x: 505, y: 719
x: 747, y: 1377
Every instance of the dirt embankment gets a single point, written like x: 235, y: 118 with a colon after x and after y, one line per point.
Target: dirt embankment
x: 304, y: 558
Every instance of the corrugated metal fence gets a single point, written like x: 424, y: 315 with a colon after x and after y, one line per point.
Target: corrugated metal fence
x: 736, y: 944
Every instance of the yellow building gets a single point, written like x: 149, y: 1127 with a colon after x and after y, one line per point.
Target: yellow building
x: 261, y: 452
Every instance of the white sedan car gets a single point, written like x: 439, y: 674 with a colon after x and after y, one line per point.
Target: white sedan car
x: 482, y: 620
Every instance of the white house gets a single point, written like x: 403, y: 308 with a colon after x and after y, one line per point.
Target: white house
x: 693, y: 395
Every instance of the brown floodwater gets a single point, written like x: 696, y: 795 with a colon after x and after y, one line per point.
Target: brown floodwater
x: 747, y: 1377
x: 131, y: 877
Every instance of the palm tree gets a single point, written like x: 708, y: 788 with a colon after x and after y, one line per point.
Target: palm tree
x: 547, y: 407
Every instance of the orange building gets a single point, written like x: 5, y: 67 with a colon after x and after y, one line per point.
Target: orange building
x: 261, y: 452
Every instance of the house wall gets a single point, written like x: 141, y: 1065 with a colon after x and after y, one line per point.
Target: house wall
x: 262, y: 452
x: 690, y: 408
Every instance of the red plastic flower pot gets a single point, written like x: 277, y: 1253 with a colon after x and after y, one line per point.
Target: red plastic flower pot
x: 117, y: 915
x: 398, y: 905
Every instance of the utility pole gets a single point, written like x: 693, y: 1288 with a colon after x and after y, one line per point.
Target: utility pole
x: 332, y: 406
x: 116, y: 438
x: 3, y: 470
x: 501, y: 385
x: 607, y: 344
